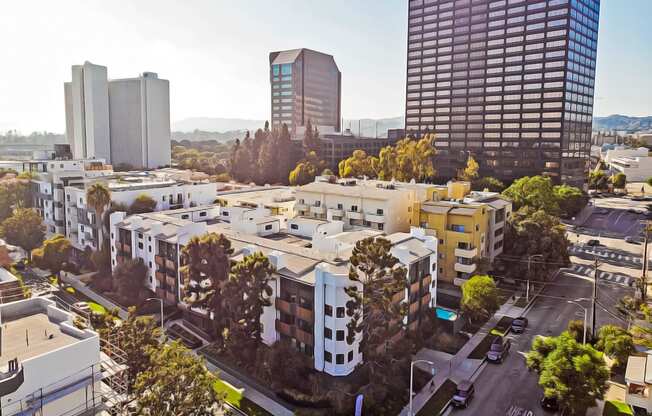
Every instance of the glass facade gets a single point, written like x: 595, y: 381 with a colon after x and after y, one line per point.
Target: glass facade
x: 509, y: 81
x: 305, y: 86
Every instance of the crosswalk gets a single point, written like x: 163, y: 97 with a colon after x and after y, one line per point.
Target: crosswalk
x: 606, y: 254
x: 586, y: 270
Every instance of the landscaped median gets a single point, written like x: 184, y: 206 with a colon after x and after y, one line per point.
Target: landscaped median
x: 440, y: 400
x: 235, y: 398
x: 500, y: 329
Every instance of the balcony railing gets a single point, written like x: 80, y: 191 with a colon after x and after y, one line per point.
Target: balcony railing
x: 160, y: 277
x: 300, y: 206
x: 160, y: 261
x: 466, y: 253
x: 374, y: 217
x: 354, y: 215
x: 170, y: 297
x: 11, y: 380
x: 169, y: 264
x: 465, y: 268
x: 294, y: 309
x: 317, y: 210
x: 336, y: 212
x: 294, y: 332
x: 171, y: 281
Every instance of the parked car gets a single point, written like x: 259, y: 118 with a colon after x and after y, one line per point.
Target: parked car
x: 549, y: 404
x: 638, y: 198
x: 519, y: 324
x: 499, y: 349
x: 464, y: 393
x: 632, y: 240
x: 633, y: 211
x: 593, y: 242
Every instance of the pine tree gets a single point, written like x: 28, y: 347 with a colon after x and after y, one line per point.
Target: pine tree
x: 311, y: 141
x: 268, y: 159
x: 285, y: 160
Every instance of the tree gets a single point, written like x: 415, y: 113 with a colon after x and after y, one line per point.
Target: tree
x: 598, y: 180
x: 649, y: 181
x: 177, y: 383
x: 470, y: 172
x: 311, y: 142
x: 137, y: 337
x: 619, y: 180
x: 479, y: 297
x: 128, y: 279
x: 142, y: 204
x: 101, y: 259
x: 248, y: 293
x: 571, y: 200
x: 284, y: 155
x: 206, y: 272
x: 535, y: 245
x: 533, y: 191
x: 98, y: 196
x: 488, y: 183
x: 376, y: 276
x: 243, y: 168
x: 616, y: 343
x: 54, y: 254
x: 409, y: 159
x: 576, y: 329
x: 327, y: 172
x: 574, y: 374
x: 357, y: 165
x: 268, y: 158
x: 14, y: 193
x: 306, y: 170
x: 24, y: 229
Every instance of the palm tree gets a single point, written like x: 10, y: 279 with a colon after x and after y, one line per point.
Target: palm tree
x: 98, y: 196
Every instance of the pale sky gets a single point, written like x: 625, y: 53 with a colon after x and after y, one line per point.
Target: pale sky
x: 215, y: 53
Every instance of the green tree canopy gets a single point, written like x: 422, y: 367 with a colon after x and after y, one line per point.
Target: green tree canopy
x: 359, y: 164
x: 619, y: 180
x: 479, y: 297
x: 571, y: 200
x: 142, y: 204
x: 311, y: 142
x: 489, y: 183
x: 470, y: 172
x: 176, y: 383
x: 409, y: 159
x: 24, y: 229
x: 574, y: 374
x: 533, y: 191
x: 14, y: 193
x: 307, y: 170
x: 128, y: 279
x: 598, y: 180
x: 616, y: 343
x: 535, y: 244
x: 54, y: 254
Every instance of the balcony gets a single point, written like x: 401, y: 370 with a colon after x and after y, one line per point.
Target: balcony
x: 283, y: 328
x: 170, y: 297
x: 284, y: 306
x: 303, y: 313
x: 398, y: 297
x: 303, y: 336
x: 465, y: 268
x: 301, y: 206
x: 294, y: 332
x: 336, y: 212
x: 125, y: 248
x: 374, y: 218
x: 169, y: 264
x: 425, y: 300
x: 318, y: 210
x: 120, y: 259
x: 414, y: 287
x: 466, y: 253
x: 354, y: 215
x: 12, y: 379
x: 294, y: 309
x: 171, y: 281
x: 160, y: 277
x: 160, y: 293
x: 159, y: 260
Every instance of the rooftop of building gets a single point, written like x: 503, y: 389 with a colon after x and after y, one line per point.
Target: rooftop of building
x: 7, y: 276
x: 265, y: 196
x: 35, y: 326
x: 639, y: 369
x: 356, y: 188
x: 290, y: 56
x: 142, y: 180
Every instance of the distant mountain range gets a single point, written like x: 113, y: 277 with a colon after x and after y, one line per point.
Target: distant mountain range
x: 622, y: 123
x: 218, y: 124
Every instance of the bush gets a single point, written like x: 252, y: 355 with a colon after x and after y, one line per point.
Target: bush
x: 300, y: 399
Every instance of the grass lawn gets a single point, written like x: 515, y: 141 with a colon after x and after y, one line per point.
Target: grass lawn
x: 97, y: 308
x: 235, y: 398
x: 521, y: 302
x: 616, y: 408
x: 438, y: 402
x: 501, y: 329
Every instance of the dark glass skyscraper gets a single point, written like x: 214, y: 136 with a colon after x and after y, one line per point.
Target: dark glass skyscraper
x: 509, y: 81
x: 305, y: 86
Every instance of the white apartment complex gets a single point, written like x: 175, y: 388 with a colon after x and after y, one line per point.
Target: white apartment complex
x: 378, y: 205
x: 49, y: 366
x: 308, y: 300
x: 124, y: 121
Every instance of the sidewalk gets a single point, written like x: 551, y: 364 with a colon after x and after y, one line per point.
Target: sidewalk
x: 249, y: 392
x: 460, y: 367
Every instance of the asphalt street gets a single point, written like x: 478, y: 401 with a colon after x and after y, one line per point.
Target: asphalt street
x: 501, y: 388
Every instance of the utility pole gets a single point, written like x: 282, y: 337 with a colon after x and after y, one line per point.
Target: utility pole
x: 594, y: 297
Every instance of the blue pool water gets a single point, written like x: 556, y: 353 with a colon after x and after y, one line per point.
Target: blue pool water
x: 445, y: 314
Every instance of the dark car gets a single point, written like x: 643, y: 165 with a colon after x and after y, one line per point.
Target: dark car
x: 499, y: 349
x: 632, y: 240
x: 549, y: 404
x: 593, y: 243
x: 463, y: 394
x: 519, y: 324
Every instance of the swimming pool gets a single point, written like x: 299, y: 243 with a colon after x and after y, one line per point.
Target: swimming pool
x: 446, y: 314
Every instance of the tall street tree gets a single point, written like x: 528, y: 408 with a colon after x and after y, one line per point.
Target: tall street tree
x: 470, y: 172
x: 306, y: 170
x: 206, y: 272
x: 128, y: 279
x: 142, y: 204
x: 479, y: 297
x: 285, y: 158
x: 574, y: 374
x: 571, y: 200
x: 311, y: 141
x: 357, y: 165
x: 177, y: 383
x: 54, y: 254
x: 616, y: 343
x: 98, y: 197
x: 23, y: 229
x: 488, y: 183
x: 248, y: 293
x: 409, y: 159
x: 535, y: 192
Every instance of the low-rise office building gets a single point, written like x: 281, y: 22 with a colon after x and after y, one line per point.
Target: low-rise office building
x: 49, y: 366
x: 638, y: 376
x: 279, y: 200
x: 311, y: 263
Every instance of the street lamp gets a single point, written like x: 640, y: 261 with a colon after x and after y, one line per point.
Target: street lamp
x: 585, y: 317
x: 529, y: 262
x: 161, y: 301
x: 431, y: 364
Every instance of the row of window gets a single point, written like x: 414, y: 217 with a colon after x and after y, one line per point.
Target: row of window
x: 339, y: 358
x: 488, y: 98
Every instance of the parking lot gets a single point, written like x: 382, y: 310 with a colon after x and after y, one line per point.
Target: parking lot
x: 614, y: 222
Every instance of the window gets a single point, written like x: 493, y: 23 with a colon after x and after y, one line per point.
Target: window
x: 350, y: 356
x: 328, y: 357
x: 140, y: 245
x: 340, y: 312
x: 328, y: 310
x: 268, y: 227
x: 339, y: 359
x: 339, y: 335
x: 339, y: 206
x: 457, y: 228
x: 379, y: 211
x: 354, y: 208
x: 328, y: 333
x: 294, y: 226
x: 202, y: 214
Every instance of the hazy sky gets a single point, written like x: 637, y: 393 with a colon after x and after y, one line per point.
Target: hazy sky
x: 215, y: 53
